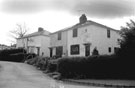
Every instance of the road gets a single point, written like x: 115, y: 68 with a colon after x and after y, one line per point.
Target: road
x: 20, y: 75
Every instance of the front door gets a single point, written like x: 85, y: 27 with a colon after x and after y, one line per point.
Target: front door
x: 59, y: 51
x: 51, y: 52
x: 87, y: 50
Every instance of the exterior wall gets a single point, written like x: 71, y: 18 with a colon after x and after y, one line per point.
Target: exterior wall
x: 55, y: 42
x: 35, y: 41
x: 21, y: 43
x: 96, y: 36
x: 32, y: 43
x: 45, y: 44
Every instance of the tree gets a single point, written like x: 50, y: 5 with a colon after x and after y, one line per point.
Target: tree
x: 128, y: 42
x: 126, y: 53
x: 20, y: 31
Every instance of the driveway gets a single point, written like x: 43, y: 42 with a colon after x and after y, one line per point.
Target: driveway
x: 21, y: 75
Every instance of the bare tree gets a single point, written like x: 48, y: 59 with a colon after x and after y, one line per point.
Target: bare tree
x: 20, y: 31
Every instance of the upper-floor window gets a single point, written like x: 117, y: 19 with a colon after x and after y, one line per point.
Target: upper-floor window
x: 59, y: 35
x: 108, y: 33
x: 75, y: 31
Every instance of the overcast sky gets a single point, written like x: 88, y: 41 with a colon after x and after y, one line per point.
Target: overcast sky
x: 54, y: 15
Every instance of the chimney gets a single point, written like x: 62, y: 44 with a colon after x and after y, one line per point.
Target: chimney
x: 40, y: 29
x: 83, y: 19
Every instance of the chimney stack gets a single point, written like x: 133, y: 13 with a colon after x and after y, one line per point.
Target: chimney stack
x: 83, y: 19
x: 40, y: 29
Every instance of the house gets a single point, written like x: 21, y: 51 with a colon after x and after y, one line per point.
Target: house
x: 37, y: 42
x: 82, y: 38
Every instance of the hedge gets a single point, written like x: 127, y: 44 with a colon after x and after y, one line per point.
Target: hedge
x: 105, y: 66
x: 16, y: 55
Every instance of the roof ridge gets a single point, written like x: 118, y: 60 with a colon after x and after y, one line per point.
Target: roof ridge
x: 80, y: 24
x: 36, y: 34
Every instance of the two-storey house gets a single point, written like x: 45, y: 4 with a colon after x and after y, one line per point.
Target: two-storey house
x: 81, y: 39
x: 37, y: 42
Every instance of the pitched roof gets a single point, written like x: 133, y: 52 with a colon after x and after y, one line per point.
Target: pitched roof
x: 44, y: 33
x: 89, y: 22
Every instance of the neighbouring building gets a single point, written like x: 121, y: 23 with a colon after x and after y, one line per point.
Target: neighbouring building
x: 4, y: 47
x: 82, y: 38
x: 37, y: 42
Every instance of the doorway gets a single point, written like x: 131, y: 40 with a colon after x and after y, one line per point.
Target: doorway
x: 51, y: 52
x: 59, y: 51
x: 87, y: 50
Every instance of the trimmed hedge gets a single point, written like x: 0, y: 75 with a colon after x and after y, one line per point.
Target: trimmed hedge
x: 11, y: 51
x: 95, y: 67
x: 105, y: 66
x: 16, y: 55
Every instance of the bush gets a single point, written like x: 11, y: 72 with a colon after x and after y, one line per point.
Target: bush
x: 52, y: 65
x: 39, y: 62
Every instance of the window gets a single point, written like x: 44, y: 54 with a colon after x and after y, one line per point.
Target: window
x: 59, y: 35
x: 74, y: 49
x: 75, y: 32
x: 109, y: 49
x: 108, y: 33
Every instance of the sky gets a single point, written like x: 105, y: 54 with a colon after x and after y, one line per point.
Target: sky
x: 54, y: 15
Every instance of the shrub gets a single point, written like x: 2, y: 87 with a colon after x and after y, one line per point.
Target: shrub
x: 51, y: 65
x: 39, y: 62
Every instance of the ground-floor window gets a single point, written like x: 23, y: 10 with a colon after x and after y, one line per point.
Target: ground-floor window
x: 75, y: 49
x: 109, y: 49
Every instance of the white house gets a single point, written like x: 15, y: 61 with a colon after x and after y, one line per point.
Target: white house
x: 82, y: 38
x: 37, y: 42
